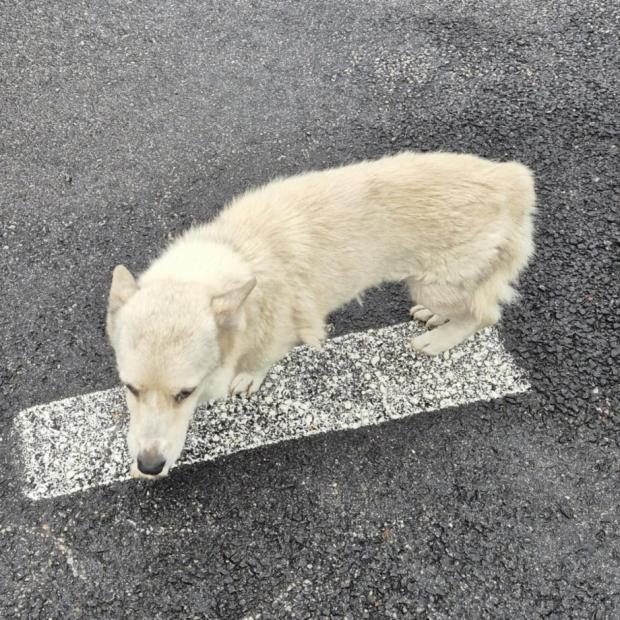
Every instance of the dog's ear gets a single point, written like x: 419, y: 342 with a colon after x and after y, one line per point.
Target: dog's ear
x: 124, y: 285
x: 226, y: 305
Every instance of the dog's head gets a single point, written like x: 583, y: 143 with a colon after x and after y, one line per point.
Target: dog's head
x: 169, y: 340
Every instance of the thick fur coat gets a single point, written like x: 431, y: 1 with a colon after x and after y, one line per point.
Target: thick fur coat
x: 229, y: 298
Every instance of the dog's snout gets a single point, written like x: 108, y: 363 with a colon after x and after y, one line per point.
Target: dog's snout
x: 151, y: 463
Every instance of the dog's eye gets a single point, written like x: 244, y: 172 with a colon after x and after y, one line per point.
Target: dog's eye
x: 132, y: 389
x: 183, y: 394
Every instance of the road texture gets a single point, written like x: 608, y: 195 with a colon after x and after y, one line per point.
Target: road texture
x: 122, y: 123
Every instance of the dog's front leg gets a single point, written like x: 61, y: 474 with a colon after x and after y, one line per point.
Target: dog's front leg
x: 247, y: 383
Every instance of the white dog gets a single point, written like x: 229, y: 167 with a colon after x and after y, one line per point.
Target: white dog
x: 230, y: 298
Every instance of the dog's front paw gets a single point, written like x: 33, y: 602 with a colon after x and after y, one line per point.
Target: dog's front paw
x: 246, y: 383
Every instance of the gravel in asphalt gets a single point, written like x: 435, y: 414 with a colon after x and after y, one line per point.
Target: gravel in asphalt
x: 121, y: 124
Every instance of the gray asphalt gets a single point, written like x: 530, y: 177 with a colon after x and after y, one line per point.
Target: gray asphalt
x: 121, y: 124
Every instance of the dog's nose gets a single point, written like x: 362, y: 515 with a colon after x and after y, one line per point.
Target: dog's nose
x: 150, y: 463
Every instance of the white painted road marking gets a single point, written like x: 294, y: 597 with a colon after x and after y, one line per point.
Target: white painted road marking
x: 356, y: 380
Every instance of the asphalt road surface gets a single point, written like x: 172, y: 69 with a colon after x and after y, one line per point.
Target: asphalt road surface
x: 123, y: 123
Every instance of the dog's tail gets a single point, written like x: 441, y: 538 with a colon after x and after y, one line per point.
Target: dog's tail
x: 517, y: 246
x: 521, y: 204
x: 519, y: 180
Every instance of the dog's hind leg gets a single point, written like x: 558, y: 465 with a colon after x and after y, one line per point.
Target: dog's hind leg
x: 433, y: 302
x: 455, y: 312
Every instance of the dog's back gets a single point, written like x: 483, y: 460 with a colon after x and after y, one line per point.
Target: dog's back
x: 456, y: 227
x: 349, y: 228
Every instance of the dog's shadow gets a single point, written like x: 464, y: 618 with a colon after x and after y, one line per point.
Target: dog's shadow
x: 382, y: 306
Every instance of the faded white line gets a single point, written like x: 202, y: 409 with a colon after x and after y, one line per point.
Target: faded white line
x: 356, y: 380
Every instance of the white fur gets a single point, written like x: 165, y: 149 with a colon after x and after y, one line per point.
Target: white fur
x: 228, y: 299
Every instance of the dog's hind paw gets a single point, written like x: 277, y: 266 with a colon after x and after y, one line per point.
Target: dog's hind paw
x: 246, y: 383
x: 444, y: 337
x: 421, y: 313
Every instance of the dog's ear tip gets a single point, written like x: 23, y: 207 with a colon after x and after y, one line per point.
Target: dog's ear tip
x: 120, y: 269
x: 122, y: 275
x: 123, y: 286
